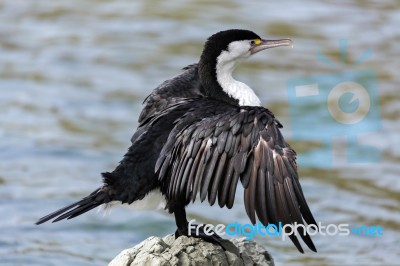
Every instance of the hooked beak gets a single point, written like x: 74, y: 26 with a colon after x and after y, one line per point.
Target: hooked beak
x: 265, y: 44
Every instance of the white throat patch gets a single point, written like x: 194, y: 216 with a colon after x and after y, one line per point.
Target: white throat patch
x: 226, y: 63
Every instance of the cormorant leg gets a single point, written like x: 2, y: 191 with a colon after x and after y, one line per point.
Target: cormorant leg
x: 181, y: 223
x: 195, y: 230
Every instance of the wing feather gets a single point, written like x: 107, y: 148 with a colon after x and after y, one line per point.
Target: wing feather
x: 194, y: 170
x: 200, y: 169
x: 224, y: 189
x: 261, y: 205
x: 295, y: 212
x: 249, y: 198
x: 283, y: 212
x: 232, y: 190
x: 180, y: 171
x: 246, y: 174
x: 209, y: 175
x: 271, y: 199
x: 185, y: 177
x: 212, y: 193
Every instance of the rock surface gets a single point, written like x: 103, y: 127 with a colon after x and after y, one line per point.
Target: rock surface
x: 192, y: 251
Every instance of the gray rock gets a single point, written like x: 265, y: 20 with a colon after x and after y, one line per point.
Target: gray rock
x: 192, y: 251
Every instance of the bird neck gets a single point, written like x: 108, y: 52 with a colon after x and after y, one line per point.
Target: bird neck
x: 235, y: 89
x: 218, y: 83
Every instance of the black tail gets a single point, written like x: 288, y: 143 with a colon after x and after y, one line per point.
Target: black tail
x: 96, y: 198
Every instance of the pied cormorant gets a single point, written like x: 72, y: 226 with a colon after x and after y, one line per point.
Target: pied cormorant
x: 198, y: 135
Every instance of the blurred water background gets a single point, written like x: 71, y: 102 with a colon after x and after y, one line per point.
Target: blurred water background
x: 73, y: 75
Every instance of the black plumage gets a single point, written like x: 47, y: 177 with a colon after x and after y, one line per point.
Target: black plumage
x: 195, y: 140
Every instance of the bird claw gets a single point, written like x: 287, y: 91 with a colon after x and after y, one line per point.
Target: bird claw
x: 198, y: 232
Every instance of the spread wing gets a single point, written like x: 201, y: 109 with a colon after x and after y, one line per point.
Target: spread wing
x: 208, y: 157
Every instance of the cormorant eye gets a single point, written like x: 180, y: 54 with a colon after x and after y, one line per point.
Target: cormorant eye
x: 256, y: 42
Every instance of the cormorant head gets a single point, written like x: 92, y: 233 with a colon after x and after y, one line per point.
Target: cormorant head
x: 221, y: 53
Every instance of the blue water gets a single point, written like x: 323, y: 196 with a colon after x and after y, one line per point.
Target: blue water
x: 73, y: 75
